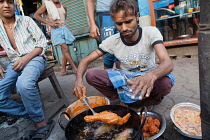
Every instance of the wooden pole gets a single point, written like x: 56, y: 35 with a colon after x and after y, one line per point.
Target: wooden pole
x: 152, y: 12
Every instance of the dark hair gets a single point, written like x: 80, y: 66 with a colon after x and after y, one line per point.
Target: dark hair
x: 130, y: 7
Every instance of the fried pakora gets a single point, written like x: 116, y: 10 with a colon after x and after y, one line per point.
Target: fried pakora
x: 151, y: 127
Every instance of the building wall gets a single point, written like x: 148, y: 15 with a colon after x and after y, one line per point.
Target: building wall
x: 144, y: 12
x: 143, y: 8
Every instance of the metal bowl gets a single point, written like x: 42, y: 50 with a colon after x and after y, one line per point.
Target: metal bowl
x: 162, y: 120
x: 172, y: 115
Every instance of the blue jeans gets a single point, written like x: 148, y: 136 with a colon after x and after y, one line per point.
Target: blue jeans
x: 25, y: 83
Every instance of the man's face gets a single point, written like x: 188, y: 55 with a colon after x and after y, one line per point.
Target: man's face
x: 7, y: 8
x: 126, y: 25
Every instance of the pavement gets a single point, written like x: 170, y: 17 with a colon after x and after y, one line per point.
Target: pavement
x: 186, y: 89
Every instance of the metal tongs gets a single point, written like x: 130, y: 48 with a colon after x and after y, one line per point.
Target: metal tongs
x: 85, y: 99
x: 86, y: 102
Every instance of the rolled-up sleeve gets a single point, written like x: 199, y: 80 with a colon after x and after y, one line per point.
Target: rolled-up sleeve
x: 106, y: 46
x: 156, y: 36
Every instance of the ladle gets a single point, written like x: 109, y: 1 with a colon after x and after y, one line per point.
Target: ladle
x: 86, y: 102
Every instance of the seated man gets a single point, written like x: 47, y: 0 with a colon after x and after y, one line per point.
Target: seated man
x: 24, y: 44
x: 135, y: 48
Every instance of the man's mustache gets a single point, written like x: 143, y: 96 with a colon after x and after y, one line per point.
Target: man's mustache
x: 126, y: 31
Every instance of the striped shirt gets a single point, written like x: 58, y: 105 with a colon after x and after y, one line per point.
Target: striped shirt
x: 27, y: 36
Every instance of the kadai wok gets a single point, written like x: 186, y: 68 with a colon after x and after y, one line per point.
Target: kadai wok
x: 78, y: 129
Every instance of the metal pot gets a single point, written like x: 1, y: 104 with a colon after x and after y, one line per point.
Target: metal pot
x: 76, y: 123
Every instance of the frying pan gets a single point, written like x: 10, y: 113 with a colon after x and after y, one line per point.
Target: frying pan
x: 77, y: 123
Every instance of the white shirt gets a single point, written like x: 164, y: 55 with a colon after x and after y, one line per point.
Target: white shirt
x: 27, y: 36
x: 137, y: 56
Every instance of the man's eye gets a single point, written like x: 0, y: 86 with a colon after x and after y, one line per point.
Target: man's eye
x: 129, y: 21
x: 118, y: 23
x: 11, y: 1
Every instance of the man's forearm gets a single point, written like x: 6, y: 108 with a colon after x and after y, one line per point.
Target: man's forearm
x: 40, y: 19
x: 82, y: 68
x: 37, y: 51
x: 163, y: 69
x: 39, y: 12
x: 90, y: 10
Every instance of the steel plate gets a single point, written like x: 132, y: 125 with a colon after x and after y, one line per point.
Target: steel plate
x: 172, y: 115
x: 162, y: 120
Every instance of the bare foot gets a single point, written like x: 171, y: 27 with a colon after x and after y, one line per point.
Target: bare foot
x: 62, y: 72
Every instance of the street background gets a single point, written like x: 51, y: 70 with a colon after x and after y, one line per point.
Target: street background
x: 186, y: 89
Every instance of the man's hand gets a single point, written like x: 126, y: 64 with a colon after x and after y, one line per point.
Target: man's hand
x: 2, y: 71
x: 143, y: 84
x: 94, y: 32
x: 79, y: 91
x: 20, y: 63
x: 53, y: 24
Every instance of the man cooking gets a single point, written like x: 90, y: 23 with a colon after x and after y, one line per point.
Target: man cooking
x: 139, y: 82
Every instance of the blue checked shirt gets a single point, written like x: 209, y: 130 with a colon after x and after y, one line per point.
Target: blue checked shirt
x: 27, y: 36
x: 119, y: 80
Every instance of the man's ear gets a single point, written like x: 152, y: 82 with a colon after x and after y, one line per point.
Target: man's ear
x: 137, y: 17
